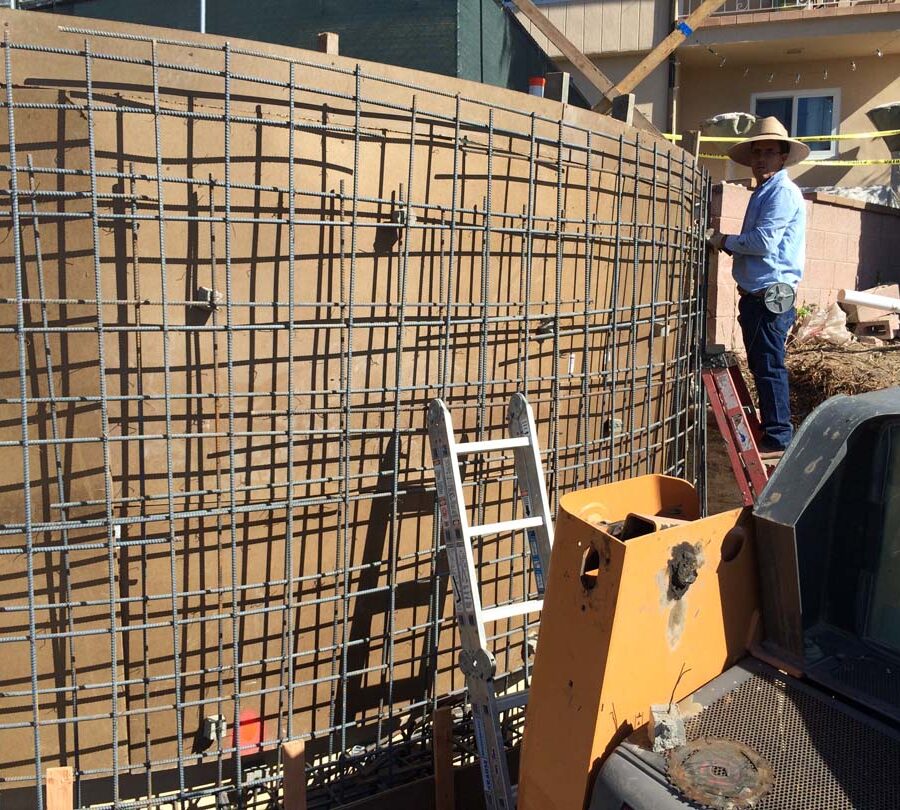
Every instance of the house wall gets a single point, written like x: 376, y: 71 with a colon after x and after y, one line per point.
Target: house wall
x: 875, y: 81
x: 606, y: 26
x: 848, y: 245
x: 651, y: 96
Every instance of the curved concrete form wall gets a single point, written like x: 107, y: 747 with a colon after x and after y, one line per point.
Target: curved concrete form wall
x: 233, y: 276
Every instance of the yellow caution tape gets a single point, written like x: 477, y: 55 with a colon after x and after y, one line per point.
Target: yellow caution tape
x: 881, y: 162
x: 850, y: 136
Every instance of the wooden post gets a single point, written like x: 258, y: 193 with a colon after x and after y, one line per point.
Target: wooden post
x: 557, y: 87
x: 690, y: 142
x: 623, y: 108
x: 60, y: 788
x: 293, y: 755
x: 329, y: 42
x: 442, y: 751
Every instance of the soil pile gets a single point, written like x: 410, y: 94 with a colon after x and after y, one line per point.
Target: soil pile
x: 820, y: 372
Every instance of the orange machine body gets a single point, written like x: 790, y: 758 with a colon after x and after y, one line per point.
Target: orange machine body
x: 616, y: 636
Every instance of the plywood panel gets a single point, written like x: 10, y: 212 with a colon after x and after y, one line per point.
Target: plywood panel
x: 245, y: 505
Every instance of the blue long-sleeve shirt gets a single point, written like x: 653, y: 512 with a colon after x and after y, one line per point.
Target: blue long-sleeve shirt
x: 772, y: 244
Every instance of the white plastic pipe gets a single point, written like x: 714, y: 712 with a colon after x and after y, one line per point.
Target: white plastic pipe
x: 862, y: 299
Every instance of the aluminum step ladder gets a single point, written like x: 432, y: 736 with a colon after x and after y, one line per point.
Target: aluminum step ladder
x: 737, y: 420
x: 476, y: 661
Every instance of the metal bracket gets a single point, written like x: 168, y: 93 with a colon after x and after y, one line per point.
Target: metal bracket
x: 207, y: 299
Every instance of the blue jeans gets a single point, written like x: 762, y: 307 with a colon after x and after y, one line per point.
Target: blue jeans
x: 764, y: 336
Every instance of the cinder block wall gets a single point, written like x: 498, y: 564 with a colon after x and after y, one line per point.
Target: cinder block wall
x: 849, y: 244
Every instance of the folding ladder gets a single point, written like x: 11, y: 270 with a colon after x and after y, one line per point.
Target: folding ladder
x: 476, y: 660
x: 737, y: 420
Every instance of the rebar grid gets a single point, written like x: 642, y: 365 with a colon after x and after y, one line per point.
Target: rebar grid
x: 235, y: 279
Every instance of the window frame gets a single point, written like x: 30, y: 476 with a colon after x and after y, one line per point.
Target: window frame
x: 795, y: 96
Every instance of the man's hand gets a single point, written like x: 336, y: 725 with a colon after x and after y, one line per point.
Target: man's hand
x: 716, y: 240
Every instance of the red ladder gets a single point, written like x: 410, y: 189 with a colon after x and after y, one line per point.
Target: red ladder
x: 737, y: 420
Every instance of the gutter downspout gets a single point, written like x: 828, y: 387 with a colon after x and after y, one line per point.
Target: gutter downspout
x: 674, y: 83
x: 674, y: 79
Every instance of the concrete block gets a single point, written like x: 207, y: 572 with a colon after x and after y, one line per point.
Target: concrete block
x: 843, y: 275
x: 819, y: 274
x: 860, y: 314
x: 666, y: 727
x: 883, y: 328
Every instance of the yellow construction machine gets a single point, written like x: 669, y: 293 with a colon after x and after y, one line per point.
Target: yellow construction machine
x: 749, y: 659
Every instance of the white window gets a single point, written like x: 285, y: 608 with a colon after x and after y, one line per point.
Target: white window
x: 804, y: 113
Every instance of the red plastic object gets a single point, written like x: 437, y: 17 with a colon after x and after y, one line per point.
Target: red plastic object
x: 249, y: 735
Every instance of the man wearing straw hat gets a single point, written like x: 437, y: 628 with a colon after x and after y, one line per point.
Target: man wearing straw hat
x: 768, y: 256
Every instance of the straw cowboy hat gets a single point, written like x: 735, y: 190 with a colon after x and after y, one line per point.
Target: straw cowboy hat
x: 768, y: 129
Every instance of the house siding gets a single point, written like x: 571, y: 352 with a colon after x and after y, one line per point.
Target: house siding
x: 606, y: 26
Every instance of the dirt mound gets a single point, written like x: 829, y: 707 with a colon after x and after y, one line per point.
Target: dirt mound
x: 820, y: 372
x: 816, y: 373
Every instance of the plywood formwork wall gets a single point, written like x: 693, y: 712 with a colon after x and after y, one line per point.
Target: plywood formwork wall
x: 214, y: 511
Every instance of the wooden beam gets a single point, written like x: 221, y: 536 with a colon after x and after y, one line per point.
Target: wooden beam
x: 329, y: 42
x: 293, y: 755
x: 581, y: 65
x: 683, y: 29
x: 557, y: 87
x: 690, y: 142
x: 584, y: 66
x: 623, y: 108
x: 60, y: 788
x: 442, y: 752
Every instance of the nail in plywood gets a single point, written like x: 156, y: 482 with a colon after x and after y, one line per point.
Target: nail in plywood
x: 60, y: 788
x: 294, y: 758
x: 444, y: 798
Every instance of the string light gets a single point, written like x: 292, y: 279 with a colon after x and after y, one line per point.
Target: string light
x: 797, y: 79
x: 852, y: 66
x: 824, y: 74
x: 771, y: 77
x: 879, y: 53
x: 724, y: 60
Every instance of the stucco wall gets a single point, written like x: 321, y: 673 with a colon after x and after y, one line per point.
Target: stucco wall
x: 875, y: 81
x: 848, y: 245
x: 651, y: 96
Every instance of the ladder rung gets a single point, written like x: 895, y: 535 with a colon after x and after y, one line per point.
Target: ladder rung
x: 505, y: 526
x: 512, y: 701
x: 497, y: 444
x: 496, y: 614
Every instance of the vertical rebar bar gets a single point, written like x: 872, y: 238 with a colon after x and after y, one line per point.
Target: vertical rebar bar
x: 167, y: 403
x: 21, y: 339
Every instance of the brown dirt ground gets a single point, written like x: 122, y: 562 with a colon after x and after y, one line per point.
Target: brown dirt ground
x: 816, y: 373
